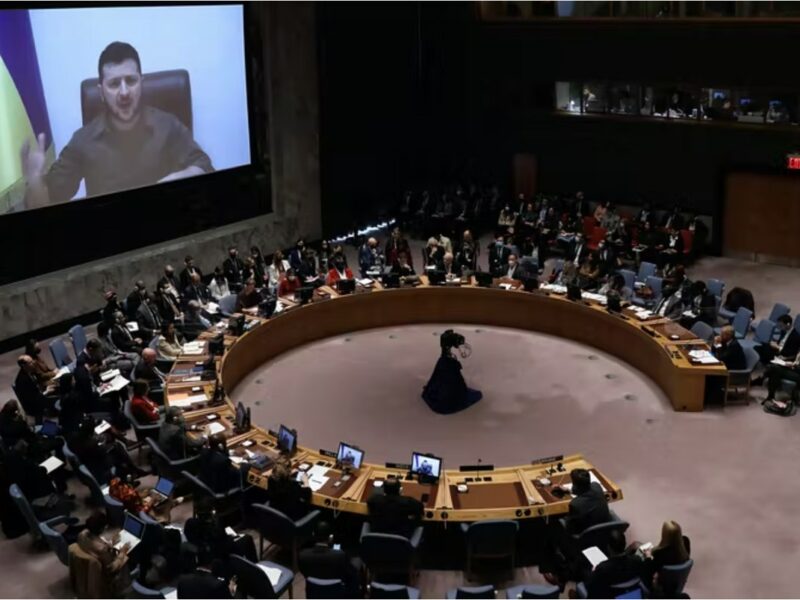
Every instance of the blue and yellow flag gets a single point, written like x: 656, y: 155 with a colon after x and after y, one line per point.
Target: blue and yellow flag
x: 23, y: 111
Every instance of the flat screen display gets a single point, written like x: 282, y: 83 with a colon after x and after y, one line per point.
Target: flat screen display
x: 99, y: 100
x: 349, y: 456
x: 426, y: 465
x: 287, y: 439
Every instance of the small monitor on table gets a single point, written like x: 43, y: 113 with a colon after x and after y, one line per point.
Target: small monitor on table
x: 349, y: 456
x: 426, y: 466
x: 346, y: 286
x: 287, y: 440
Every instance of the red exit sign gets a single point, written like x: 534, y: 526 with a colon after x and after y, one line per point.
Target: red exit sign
x: 793, y: 161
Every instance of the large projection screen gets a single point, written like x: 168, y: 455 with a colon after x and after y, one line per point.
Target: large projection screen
x: 66, y: 134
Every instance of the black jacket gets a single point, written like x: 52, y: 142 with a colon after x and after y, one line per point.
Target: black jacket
x: 394, y: 514
x: 617, y: 569
x: 30, y: 396
x: 186, y: 274
x: 587, y: 509
x: 232, y: 269
x: 217, y: 472
x: 202, y: 584
x: 289, y: 497
x: 732, y: 355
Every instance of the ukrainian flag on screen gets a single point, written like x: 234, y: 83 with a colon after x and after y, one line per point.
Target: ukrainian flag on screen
x: 23, y: 112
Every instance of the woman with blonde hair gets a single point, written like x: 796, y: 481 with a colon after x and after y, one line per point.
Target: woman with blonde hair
x: 673, y: 549
x: 285, y: 493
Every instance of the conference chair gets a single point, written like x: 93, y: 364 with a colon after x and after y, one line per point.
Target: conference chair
x: 227, y: 305
x: 34, y: 524
x: 170, y: 91
x: 393, y: 590
x: 672, y: 579
x: 740, y: 323
x: 716, y: 287
x: 140, y: 591
x: 536, y: 590
x: 778, y: 310
x: 78, y: 336
x: 389, y: 554
x: 740, y: 379
x: 253, y: 581
x: 166, y: 467
x: 325, y: 588
x: 627, y: 589
x: 703, y: 330
x: 654, y: 283
x: 762, y: 335
x: 224, y: 502
x: 483, y: 591
x: 629, y: 277
x: 142, y: 430
x: 55, y: 539
x: 646, y: 269
x: 277, y: 528
x: 491, y: 539
x: 61, y: 356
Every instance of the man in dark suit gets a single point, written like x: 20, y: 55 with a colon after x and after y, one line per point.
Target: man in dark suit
x: 135, y: 298
x: 167, y: 305
x: 498, y: 257
x: 776, y: 374
x: 189, y: 270
x: 578, y: 250
x: 589, y: 506
x: 621, y: 566
x: 203, y: 582
x: 786, y: 347
x: 148, y: 317
x: 670, y: 305
x: 196, y: 290
x: 170, y: 281
x: 728, y: 350
x: 232, y: 268
x: 172, y: 437
x: 513, y: 270
x: 607, y: 257
x: 146, y: 369
x: 323, y: 562
x: 216, y: 469
x: 389, y: 512
x: 452, y: 270
x: 122, y: 338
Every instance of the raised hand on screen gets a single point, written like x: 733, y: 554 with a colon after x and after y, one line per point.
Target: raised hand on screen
x: 33, y: 158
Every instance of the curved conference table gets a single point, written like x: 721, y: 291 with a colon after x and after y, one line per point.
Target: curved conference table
x: 655, y: 346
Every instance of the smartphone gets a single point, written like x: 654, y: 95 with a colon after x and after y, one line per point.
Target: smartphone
x: 337, y: 546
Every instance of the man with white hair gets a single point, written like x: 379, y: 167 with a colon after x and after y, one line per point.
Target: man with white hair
x: 369, y: 257
x: 147, y: 370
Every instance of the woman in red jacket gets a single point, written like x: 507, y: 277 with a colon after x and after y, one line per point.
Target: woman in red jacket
x: 144, y: 409
x: 338, y: 271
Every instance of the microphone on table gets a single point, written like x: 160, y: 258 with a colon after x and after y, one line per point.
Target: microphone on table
x: 478, y: 470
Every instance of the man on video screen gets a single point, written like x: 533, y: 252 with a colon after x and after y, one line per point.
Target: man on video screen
x: 129, y: 145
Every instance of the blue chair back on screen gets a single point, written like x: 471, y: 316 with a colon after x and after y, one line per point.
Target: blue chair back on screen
x: 672, y: 578
x: 78, y: 336
x: 703, y: 330
x: 741, y: 322
x: 763, y: 333
x: 227, y: 305
x: 483, y: 591
x: 646, y: 269
x: 60, y: 354
x: 778, y: 310
x: 629, y: 276
x: 716, y: 287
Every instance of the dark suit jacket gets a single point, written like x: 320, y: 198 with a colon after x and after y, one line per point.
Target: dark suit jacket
x: 186, y: 275
x: 149, y: 320
x: 217, y: 472
x: 172, y: 439
x: 792, y: 345
x: 147, y: 372
x: 167, y: 307
x: 517, y: 273
x: 394, y: 514
x: 289, y: 497
x: 580, y: 251
x: 587, y: 509
x: 30, y: 396
x: 678, y: 247
x: 617, y: 569
x: 323, y: 562
x: 732, y: 355
x: 196, y: 292
x: 498, y: 259
x: 132, y: 304
x: 232, y: 269
x: 123, y: 339
x: 202, y: 584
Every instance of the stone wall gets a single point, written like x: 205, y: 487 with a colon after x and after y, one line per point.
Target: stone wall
x: 289, y: 35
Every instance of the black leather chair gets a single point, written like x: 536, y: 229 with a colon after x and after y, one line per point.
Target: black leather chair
x: 325, y: 588
x: 166, y: 467
x: 277, y: 528
x: 389, y: 555
x: 253, y: 581
x: 224, y: 503
x: 490, y: 539
x: 170, y: 91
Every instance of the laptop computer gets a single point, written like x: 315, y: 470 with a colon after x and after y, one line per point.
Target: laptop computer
x: 163, y: 489
x: 131, y: 534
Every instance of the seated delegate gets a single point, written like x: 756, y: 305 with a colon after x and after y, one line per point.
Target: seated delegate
x: 391, y: 512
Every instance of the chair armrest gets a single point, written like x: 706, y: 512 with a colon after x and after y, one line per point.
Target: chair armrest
x: 61, y: 520
x: 416, y: 537
x: 614, y: 516
x: 307, y: 520
x: 230, y: 493
x: 464, y: 527
x: 181, y: 462
x: 109, y: 499
x: 365, y: 529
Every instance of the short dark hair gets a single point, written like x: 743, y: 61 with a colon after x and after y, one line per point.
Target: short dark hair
x: 96, y: 522
x: 115, y: 53
x: 580, y: 480
x: 785, y: 319
x: 616, y: 541
x: 140, y: 387
x: 93, y: 344
x: 391, y: 487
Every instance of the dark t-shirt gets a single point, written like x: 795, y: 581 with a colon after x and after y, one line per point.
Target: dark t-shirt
x: 111, y: 160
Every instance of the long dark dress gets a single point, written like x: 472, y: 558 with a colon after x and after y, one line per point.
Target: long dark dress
x: 446, y: 391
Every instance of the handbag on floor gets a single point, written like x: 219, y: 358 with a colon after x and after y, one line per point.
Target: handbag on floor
x: 778, y: 407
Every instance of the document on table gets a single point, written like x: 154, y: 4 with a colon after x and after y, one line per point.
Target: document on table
x: 102, y: 427
x: 212, y: 307
x: 61, y: 372
x: 193, y: 348
x: 366, y: 282
x: 51, y: 464
x: 114, y: 385
x: 273, y: 574
x: 316, y: 477
x: 780, y: 362
x: 109, y: 375
x: 594, y: 555
x: 704, y: 357
x: 215, y: 428
x: 132, y: 326
x: 189, y: 400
